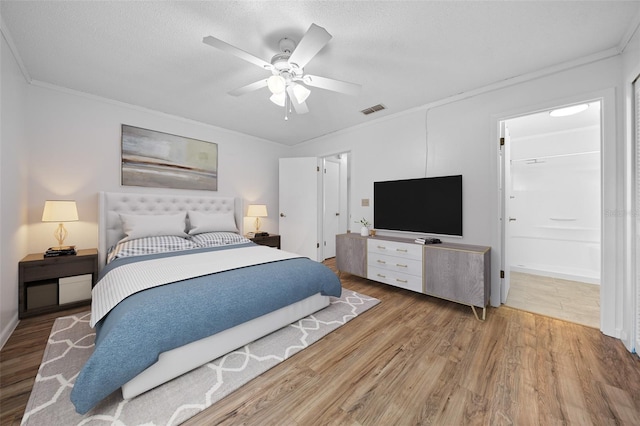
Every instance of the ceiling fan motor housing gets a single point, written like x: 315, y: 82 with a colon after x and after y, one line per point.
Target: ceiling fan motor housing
x: 282, y: 66
x: 287, y: 45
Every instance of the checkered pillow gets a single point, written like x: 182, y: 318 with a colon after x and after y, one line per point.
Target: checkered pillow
x: 213, y: 239
x: 149, y: 245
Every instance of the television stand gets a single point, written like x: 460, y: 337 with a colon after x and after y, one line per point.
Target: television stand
x: 457, y: 272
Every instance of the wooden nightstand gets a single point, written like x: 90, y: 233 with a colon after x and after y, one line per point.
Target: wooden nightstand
x: 272, y: 240
x: 50, y: 284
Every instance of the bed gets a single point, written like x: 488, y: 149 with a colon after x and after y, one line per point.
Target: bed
x: 181, y: 287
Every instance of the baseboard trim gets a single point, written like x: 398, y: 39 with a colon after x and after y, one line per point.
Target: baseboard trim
x: 8, y: 330
x: 553, y: 274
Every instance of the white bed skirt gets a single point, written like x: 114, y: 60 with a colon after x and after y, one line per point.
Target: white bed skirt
x: 176, y: 362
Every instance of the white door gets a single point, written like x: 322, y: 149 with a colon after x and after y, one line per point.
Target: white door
x: 505, y: 168
x: 331, y: 226
x: 299, y: 186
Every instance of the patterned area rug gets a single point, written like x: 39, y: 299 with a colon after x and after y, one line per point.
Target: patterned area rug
x: 71, y: 343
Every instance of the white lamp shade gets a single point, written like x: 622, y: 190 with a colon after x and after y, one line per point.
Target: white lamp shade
x: 276, y: 84
x: 59, y: 211
x: 278, y: 98
x: 301, y: 93
x: 257, y: 210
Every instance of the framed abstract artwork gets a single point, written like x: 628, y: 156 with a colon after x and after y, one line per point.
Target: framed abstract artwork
x: 162, y: 160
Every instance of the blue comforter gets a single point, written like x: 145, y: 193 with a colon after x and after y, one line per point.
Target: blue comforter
x: 131, y: 337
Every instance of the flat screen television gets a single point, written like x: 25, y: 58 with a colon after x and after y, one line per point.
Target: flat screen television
x: 429, y: 205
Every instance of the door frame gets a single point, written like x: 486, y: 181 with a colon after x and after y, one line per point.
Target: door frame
x: 609, y: 301
x: 345, y: 184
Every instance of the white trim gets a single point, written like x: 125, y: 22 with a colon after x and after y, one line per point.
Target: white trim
x: 545, y: 272
x: 512, y: 81
x: 628, y: 35
x: 14, y: 50
x: 632, y: 203
x: 8, y: 330
x: 61, y: 89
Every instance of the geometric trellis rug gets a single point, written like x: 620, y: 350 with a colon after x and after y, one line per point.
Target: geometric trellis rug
x: 71, y: 343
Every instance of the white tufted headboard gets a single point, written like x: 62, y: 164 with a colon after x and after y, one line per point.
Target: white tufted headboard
x: 113, y: 203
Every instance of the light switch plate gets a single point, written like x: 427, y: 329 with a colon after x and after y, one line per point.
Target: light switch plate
x: 365, y: 202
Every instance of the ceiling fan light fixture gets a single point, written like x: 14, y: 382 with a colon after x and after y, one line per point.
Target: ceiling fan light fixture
x: 278, y: 98
x: 276, y: 84
x: 301, y: 93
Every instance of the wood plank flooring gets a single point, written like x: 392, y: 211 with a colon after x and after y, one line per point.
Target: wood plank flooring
x: 410, y: 360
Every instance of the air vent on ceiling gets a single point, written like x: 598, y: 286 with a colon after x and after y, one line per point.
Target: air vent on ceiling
x: 373, y: 109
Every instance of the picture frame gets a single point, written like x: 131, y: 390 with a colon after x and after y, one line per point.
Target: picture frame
x: 162, y: 160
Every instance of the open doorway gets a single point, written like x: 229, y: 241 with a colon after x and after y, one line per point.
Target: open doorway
x: 335, y: 200
x: 553, y: 198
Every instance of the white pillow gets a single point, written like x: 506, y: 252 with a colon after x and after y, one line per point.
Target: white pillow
x: 151, y: 225
x: 211, y: 222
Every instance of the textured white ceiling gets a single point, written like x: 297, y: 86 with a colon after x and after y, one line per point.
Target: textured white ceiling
x: 405, y: 54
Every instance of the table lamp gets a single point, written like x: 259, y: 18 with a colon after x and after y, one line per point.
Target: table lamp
x: 257, y: 211
x: 60, y: 211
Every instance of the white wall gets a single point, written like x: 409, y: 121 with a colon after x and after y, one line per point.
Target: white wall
x: 383, y: 150
x: 13, y: 186
x: 556, y: 201
x: 74, y: 152
x: 462, y: 138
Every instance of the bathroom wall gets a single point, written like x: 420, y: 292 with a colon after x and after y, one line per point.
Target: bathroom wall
x: 555, y: 189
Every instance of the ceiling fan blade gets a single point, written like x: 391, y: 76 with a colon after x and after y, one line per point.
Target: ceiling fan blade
x: 226, y: 47
x: 312, y: 42
x: 300, y: 107
x: 331, y: 84
x: 249, y: 88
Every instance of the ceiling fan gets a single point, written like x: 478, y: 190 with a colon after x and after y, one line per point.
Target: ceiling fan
x: 288, y: 80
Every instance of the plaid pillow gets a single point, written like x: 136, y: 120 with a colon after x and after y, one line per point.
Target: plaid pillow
x: 149, y: 245
x: 213, y: 239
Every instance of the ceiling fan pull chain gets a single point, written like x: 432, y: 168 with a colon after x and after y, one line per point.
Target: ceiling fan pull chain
x: 287, y: 102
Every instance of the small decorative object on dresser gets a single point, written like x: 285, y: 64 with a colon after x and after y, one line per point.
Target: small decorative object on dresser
x: 51, y: 284
x: 271, y: 240
x: 364, y: 230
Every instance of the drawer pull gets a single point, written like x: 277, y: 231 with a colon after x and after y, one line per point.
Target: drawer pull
x: 381, y: 261
x: 382, y: 276
x: 402, y: 250
x: 382, y: 247
x: 401, y: 281
x: 399, y: 265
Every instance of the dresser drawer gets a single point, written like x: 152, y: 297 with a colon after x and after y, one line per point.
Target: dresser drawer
x: 394, y: 278
x: 397, y: 264
x: 394, y: 248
